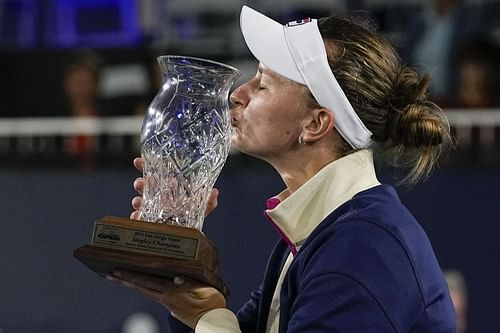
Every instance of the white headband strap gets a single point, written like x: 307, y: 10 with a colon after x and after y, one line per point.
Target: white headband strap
x: 309, y: 54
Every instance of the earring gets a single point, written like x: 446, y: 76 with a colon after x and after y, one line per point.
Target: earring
x: 301, y: 140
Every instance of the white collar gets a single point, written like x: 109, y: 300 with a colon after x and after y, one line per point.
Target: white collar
x: 303, y: 210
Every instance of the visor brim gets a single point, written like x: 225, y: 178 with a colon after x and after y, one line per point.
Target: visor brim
x: 266, y: 40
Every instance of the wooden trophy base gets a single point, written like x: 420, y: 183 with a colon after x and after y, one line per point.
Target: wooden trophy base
x: 153, y: 248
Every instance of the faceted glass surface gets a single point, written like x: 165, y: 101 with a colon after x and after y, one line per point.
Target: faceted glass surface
x: 185, y: 139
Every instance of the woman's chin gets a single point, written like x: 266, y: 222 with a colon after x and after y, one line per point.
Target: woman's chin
x: 238, y: 146
x: 243, y: 146
x: 236, y: 142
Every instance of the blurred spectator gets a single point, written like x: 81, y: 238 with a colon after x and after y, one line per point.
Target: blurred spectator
x: 458, y: 293
x: 478, y: 63
x: 478, y: 86
x: 81, y: 88
x: 433, y: 37
x: 81, y: 85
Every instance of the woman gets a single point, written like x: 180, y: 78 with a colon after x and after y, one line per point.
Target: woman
x: 352, y: 259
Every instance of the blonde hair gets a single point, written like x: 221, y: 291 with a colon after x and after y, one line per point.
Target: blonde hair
x: 409, y: 130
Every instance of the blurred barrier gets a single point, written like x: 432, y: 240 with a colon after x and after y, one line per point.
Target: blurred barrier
x: 478, y: 126
x: 112, y: 136
x: 85, y: 141
x: 36, y: 127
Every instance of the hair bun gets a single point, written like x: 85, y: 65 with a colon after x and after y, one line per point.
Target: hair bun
x: 419, y: 124
x: 414, y: 121
x: 417, y: 129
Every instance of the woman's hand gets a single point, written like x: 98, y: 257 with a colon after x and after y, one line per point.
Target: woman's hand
x: 187, y: 300
x: 139, y: 188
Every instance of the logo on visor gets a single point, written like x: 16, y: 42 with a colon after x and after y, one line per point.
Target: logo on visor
x: 298, y: 22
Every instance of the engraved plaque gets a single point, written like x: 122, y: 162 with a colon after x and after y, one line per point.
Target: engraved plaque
x: 163, y: 244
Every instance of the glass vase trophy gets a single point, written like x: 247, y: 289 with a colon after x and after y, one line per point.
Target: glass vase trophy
x: 185, y: 141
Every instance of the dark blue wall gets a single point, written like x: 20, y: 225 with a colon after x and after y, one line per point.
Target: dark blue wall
x: 47, y: 213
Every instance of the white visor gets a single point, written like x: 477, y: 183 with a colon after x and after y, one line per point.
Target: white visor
x: 297, y: 52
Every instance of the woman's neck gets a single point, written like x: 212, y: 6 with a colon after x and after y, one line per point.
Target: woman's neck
x: 298, y: 168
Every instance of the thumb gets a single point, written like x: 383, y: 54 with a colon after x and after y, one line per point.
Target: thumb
x: 212, y: 201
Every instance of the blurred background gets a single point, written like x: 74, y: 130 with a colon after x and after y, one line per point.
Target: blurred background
x: 76, y: 77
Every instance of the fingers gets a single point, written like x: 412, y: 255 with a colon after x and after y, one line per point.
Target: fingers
x: 139, y: 164
x: 212, y: 201
x: 136, y: 202
x: 179, y: 281
x: 193, y: 289
x: 139, y: 188
x: 139, y: 185
x: 135, y: 215
x: 187, y: 299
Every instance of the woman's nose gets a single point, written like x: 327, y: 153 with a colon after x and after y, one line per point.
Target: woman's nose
x: 239, y: 97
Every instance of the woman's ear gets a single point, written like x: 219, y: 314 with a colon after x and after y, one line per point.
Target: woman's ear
x: 319, y: 123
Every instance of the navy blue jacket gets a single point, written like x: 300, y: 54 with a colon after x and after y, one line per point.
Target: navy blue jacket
x: 368, y: 267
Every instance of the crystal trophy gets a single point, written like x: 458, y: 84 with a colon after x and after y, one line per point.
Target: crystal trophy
x: 185, y: 141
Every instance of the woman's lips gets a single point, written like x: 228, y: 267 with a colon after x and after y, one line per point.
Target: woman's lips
x: 234, y: 116
x: 233, y: 121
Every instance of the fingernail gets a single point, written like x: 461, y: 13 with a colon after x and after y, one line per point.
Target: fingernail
x: 178, y: 281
